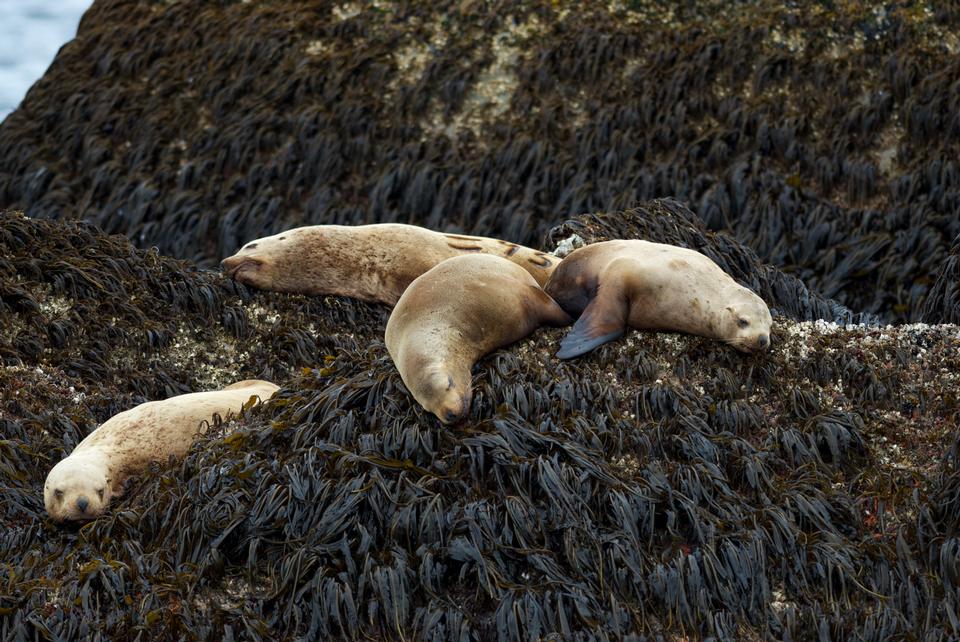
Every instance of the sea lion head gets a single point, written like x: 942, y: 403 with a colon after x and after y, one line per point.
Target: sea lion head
x: 444, y: 394
x: 268, y: 263
x: 77, y: 489
x: 746, y: 322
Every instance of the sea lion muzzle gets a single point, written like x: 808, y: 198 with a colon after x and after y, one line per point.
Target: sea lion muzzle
x: 234, y: 265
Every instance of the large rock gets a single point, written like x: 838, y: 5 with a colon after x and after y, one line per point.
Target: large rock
x: 822, y: 135
x: 664, y: 486
x: 667, y: 221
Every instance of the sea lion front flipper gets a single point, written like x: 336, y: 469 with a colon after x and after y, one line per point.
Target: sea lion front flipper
x: 604, y: 319
x: 552, y: 313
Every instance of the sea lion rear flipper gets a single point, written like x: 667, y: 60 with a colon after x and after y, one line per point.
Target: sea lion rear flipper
x: 604, y: 319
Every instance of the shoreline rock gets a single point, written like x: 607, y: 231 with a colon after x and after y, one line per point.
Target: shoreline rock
x: 821, y: 137
x: 663, y: 475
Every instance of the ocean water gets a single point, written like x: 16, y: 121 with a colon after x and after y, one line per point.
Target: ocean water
x: 31, y: 33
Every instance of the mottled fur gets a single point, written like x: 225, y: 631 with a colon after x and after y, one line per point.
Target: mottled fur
x: 368, y: 262
x: 454, y: 314
x: 653, y: 286
x: 80, y: 486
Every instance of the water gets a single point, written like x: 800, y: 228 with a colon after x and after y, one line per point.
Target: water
x: 31, y: 33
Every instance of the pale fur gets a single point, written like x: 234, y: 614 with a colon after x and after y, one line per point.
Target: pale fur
x: 454, y: 314
x: 128, y: 441
x: 368, y: 262
x: 665, y: 288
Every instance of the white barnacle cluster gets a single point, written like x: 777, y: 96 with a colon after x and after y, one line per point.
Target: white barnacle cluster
x: 569, y: 244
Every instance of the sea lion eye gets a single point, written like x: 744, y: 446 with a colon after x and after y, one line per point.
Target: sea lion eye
x: 742, y: 323
x: 58, y: 494
x: 100, y: 493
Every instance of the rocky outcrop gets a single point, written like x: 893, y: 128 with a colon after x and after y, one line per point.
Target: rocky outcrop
x: 824, y: 137
x: 667, y: 221
x: 664, y: 486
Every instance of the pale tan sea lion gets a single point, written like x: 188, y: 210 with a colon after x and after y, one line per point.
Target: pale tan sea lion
x: 652, y: 286
x: 368, y: 262
x: 454, y: 314
x: 81, y: 485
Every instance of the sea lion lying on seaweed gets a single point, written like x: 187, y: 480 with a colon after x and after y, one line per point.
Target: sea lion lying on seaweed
x: 367, y: 262
x: 80, y: 486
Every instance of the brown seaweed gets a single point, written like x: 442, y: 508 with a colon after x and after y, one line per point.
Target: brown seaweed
x: 662, y: 487
x: 824, y: 137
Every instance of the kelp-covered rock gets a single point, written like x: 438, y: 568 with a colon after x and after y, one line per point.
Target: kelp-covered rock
x: 943, y: 302
x: 667, y: 221
x: 822, y: 135
x: 663, y: 487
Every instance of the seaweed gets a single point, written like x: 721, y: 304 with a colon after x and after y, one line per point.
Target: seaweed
x: 821, y: 137
x: 664, y: 486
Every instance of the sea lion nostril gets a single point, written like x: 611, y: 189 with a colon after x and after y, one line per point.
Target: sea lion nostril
x: 233, y: 266
x: 763, y: 341
x: 451, y: 415
x: 82, y: 504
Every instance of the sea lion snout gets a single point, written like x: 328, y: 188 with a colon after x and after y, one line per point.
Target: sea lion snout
x: 763, y: 342
x: 451, y: 414
x: 82, y: 504
x: 235, y: 266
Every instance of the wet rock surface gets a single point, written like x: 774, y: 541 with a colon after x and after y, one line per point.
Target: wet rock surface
x: 822, y: 135
x: 664, y: 486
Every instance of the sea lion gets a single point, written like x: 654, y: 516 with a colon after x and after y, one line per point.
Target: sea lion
x: 652, y: 286
x: 368, y: 262
x: 454, y: 314
x: 80, y: 486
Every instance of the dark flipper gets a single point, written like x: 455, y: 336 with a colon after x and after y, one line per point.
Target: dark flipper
x: 604, y: 319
